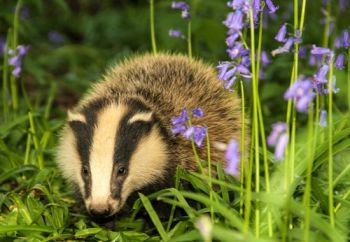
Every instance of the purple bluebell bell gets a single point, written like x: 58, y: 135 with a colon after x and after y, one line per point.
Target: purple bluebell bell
x: 256, y: 10
x: 339, y: 63
x: 178, y: 129
x: 199, y: 135
x: 298, y: 38
x: 338, y: 43
x: 301, y: 91
x: 244, y: 71
x: 239, y: 4
x: 229, y: 83
x: 234, y: 20
x: 323, y: 118
x: 302, y: 52
x: 232, y: 156
x: 320, y: 50
x: 320, y: 76
x: 185, y: 14
x: 281, y: 147
x: 182, y: 118
x: 175, y: 33
x: 55, y: 37
x: 343, y: 5
x: 231, y: 39
x: 272, y: 8
x: 277, y: 129
x: 346, y: 42
x: 224, y: 72
x: 285, y: 48
x: 237, y: 50
x: 281, y: 35
x: 264, y: 58
x: 180, y: 5
x: 2, y: 44
x: 197, y: 113
x: 16, y: 57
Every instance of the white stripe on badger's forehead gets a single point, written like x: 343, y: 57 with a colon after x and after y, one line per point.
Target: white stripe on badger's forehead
x: 76, y: 117
x: 141, y: 117
x: 102, y: 151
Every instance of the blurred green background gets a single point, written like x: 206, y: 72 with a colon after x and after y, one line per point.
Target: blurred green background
x: 73, y: 42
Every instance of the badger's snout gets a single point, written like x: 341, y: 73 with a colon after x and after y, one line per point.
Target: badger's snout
x: 100, y: 211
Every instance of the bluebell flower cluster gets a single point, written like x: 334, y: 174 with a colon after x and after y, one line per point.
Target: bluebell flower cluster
x: 16, y: 57
x: 181, y: 126
x: 279, y: 139
x: 302, y: 92
x: 185, y: 14
x: 288, y: 42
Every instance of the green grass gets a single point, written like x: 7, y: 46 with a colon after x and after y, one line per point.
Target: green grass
x: 304, y: 198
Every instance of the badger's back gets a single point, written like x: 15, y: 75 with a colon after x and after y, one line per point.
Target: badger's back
x: 169, y: 83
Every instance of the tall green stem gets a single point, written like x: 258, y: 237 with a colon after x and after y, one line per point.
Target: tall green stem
x: 189, y: 39
x: 153, y: 35
x: 330, y: 146
x: 242, y: 149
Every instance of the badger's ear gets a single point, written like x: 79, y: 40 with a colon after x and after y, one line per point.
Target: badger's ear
x: 73, y: 116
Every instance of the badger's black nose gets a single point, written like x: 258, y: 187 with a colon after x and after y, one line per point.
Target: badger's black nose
x: 100, y: 212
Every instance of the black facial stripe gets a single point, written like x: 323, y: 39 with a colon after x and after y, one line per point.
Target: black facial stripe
x: 84, y: 133
x: 126, y: 141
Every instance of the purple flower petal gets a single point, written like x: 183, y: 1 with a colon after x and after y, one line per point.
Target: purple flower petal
x: 178, y: 129
x: 271, y: 6
x: 281, y: 35
x: 339, y: 63
x: 232, y: 157
x: 346, y: 42
x: 285, y: 48
x: 264, y: 58
x: 234, y: 20
x: 175, y: 33
x: 281, y: 147
x: 320, y: 76
x: 197, y: 113
x: 323, y: 118
x: 199, y: 135
x: 277, y: 129
x: 179, y: 5
x: 320, y: 50
x: 185, y: 14
x: 17, y: 71
x: 183, y: 117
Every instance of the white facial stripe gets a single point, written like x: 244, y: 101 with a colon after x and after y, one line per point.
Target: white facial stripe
x: 147, y: 164
x: 141, y: 117
x: 76, y: 117
x: 102, y: 151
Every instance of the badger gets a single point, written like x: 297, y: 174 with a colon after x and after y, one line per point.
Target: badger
x: 117, y: 141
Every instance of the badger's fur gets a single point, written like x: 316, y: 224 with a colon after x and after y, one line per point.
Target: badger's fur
x: 118, y: 140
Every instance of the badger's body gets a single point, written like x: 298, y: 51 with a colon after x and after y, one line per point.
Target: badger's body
x: 118, y: 140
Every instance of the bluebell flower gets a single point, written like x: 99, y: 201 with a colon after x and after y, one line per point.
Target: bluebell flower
x: 323, y: 118
x: 55, y: 37
x: 185, y: 14
x: 182, y: 118
x: 229, y: 83
x: 272, y: 8
x: 298, y: 38
x: 320, y: 76
x: 16, y: 57
x: 256, y: 10
x: 281, y: 147
x: 285, y: 48
x: 178, y: 129
x: 264, y: 58
x: 339, y: 63
x: 338, y: 42
x: 277, y: 129
x: 232, y: 157
x: 346, y: 42
x: 242, y: 5
x: 302, y: 52
x: 301, y: 91
x: 320, y: 50
x: 281, y: 35
x: 180, y: 5
x: 175, y: 33
x: 244, y: 71
x: 199, y: 135
x: 234, y: 20
x: 231, y: 39
x: 197, y: 113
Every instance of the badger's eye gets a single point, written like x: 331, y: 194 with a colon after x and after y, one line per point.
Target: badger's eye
x: 85, y: 170
x: 121, y: 170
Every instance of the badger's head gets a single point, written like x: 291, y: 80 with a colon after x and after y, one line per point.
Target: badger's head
x: 112, y: 150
